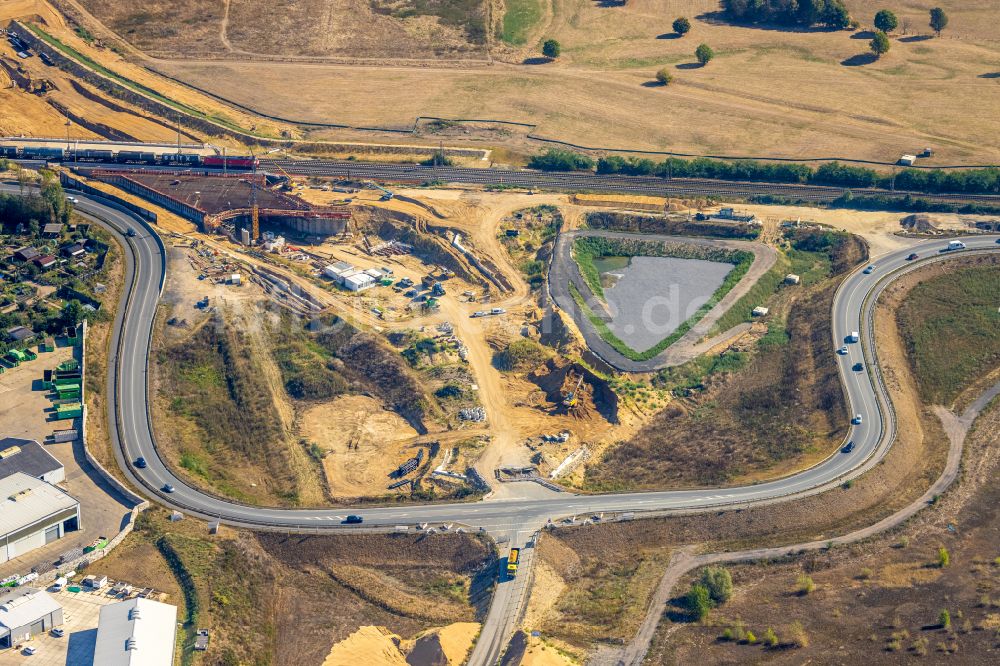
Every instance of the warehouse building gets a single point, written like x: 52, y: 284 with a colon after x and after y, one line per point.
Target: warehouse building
x: 32, y: 514
x: 28, y: 456
x: 136, y: 632
x: 26, y: 612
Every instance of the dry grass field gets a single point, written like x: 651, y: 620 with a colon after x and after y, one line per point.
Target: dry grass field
x: 775, y: 92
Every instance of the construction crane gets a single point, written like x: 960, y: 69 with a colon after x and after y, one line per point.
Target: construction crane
x: 386, y: 194
x: 573, y: 396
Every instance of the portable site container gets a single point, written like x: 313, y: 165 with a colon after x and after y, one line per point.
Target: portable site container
x: 48, y: 345
x: 69, y: 410
x: 68, y: 392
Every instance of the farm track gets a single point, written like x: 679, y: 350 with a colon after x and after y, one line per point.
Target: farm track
x: 645, y: 185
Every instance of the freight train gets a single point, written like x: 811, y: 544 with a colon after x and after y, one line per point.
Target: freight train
x: 237, y: 162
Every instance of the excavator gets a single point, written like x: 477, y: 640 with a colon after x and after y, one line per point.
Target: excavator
x: 573, y: 396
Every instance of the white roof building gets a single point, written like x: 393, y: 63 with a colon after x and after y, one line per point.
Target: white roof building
x: 26, y: 612
x: 32, y: 514
x: 136, y: 632
x: 359, y: 281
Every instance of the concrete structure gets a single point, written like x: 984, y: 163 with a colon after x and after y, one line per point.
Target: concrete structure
x: 792, y: 278
x: 27, y: 612
x: 136, y: 632
x: 907, y: 160
x: 759, y: 311
x: 32, y: 514
x: 28, y: 456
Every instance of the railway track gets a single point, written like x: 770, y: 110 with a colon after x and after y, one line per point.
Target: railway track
x: 645, y: 185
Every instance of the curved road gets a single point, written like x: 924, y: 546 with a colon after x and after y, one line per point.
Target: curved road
x: 133, y: 433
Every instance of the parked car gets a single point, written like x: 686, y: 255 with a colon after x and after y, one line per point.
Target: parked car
x: 140, y: 462
x: 167, y: 488
x: 912, y: 256
x: 857, y: 419
x: 31, y: 649
x: 847, y: 447
x: 354, y: 520
x: 58, y: 632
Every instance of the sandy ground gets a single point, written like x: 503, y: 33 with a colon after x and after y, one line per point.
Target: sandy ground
x: 365, y: 442
x: 377, y: 646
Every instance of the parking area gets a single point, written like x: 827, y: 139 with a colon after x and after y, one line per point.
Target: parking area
x: 25, y: 410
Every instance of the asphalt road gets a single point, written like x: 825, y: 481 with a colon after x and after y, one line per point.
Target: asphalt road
x: 134, y: 436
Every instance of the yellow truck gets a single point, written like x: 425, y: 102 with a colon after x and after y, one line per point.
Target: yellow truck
x: 512, y: 561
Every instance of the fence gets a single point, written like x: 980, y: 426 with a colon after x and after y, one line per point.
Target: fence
x: 69, y: 181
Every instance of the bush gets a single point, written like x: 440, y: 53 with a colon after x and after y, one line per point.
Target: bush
x: 704, y: 54
x: 805, y: 585
x: 886, y: 21
x: 829, y: 13
x: 555, y: 159
x: 944, y: 557
x: 944, y: 619
x: 718, y: 582
x: 698, y: 602
x: 799, y: 637
x: 770, y: 638
x: 551, y: 48
x: 664, y: 77
x: 520, y: 355
x: 682, y: 26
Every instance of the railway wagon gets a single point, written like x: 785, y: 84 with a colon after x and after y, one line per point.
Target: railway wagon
x: 181, y: 158
x: 136, y: 156
x: 91, y: 155
x: 8, y: 151
x: 43, y: 153
x: 242, y: 162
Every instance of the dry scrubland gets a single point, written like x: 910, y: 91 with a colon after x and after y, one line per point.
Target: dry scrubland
x: 772, y: 92
x: 279, y: 599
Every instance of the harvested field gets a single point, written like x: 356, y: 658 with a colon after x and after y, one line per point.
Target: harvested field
x: 768, y: 92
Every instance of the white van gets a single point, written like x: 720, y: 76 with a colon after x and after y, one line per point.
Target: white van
x: 956, y: 245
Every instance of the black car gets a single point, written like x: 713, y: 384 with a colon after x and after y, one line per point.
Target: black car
x: 847, y: 447
x: 140, y: 462
x: 859, y: 366
x: 354, y: 520
x: 167, y: 488
x: 912, y: 256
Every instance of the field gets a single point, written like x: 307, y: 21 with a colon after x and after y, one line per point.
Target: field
x: 951, y: 326
x: 779, y: 93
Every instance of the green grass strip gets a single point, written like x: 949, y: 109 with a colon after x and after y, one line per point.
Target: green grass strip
x: 521, y: 16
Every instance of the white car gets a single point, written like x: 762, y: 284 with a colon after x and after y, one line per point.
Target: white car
x: 857, y: 419
x: 31, y: 649
x: 842, y: 351
x: 497, y: 311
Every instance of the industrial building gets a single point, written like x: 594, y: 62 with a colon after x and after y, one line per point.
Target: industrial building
x: 350, y: 277
x: 27, y: 612
x: 32, y: 514
x: 30, y: 457
x: 136, y: 632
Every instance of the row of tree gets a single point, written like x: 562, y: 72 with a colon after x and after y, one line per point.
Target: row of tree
x: 827, y: 13
x: 967, y: 181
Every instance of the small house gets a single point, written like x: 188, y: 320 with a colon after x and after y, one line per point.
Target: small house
x: 759, y: 311
x: 19, y: 333
x: 907, y: 160
x: 52, y: 230
x: 27, y: 612
x: 359, y: 281
x: 73, y: 250
x: 25, y: 254
x: 792, y: 278
x: 45, y: 262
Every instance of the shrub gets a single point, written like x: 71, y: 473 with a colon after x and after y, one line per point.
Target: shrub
x: 770, y: 638
x: 682, y: 26
x: 698, y: 602
x: 751, y: 639
x: 704, y: 54
x: 555, y: 159
x: 886, y: 21
x: 805, y: 585
x: 799, y: 637
x: 944, y: 557
x: 520, y: 355
x: 551, y: 48
x: 718, y: 582
x: 944, y: 619
x: 664, y: 77
x: 830, y: 13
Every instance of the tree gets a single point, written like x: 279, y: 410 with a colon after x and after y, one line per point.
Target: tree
x: 704, y: 53
x: 682, y: 26
x: 886, y: 21
x: 718, y: 582
x: 944, y: 557
x: 770, y: 638
x: 939, y: 20
x: 551, y: 48
x: 944, y: 619
x: 664, y: 77
x: 698, y: 601
x: 880, y: 44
